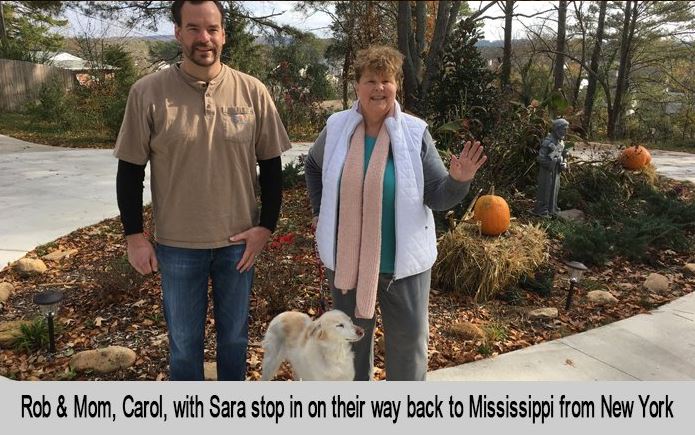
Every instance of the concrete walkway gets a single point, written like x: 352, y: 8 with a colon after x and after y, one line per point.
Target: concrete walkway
x: 655, y: 346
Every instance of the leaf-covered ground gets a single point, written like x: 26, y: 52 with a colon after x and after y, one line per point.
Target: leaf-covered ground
x: 105, y: 307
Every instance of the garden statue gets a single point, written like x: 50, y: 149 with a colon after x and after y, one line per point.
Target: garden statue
x: 551, y: 161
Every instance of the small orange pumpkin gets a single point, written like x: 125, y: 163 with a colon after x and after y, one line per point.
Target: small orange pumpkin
x: 635, y: 158
x: 493, y: 214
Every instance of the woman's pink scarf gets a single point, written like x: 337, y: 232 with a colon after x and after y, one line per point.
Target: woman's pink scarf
x: 359, y: 224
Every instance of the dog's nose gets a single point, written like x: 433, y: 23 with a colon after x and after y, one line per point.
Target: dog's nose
x: 359, y: 330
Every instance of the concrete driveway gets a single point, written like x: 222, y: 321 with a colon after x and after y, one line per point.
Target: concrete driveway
x: 47, y: 192
x: 672, y: 164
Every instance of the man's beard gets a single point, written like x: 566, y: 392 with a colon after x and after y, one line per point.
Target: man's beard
x: 191, y: 54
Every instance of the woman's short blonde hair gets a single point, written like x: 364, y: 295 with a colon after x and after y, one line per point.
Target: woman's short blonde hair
x: 379, y: 59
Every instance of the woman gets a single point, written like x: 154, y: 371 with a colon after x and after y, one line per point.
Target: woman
x: 373, y: 177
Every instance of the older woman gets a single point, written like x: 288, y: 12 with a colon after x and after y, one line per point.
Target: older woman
x: 373, y: 177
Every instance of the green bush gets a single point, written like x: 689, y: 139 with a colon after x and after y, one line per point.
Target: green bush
x: 463, y: 91
x: 588, y: 243
x: 630, y: 215
x: 53, y: 104
x: 293, y: 174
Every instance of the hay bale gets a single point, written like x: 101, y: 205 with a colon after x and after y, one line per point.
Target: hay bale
x: 481, y: 266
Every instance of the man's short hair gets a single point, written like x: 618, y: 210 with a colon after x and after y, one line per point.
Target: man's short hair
x: 178, y: 4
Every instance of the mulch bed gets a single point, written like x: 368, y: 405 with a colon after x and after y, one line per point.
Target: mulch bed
x: 102, y: 308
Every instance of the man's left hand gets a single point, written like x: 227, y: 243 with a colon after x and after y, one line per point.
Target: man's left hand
x: 255, y: 238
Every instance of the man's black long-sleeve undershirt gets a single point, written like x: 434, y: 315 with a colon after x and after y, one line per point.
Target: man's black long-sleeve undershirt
x: 130, y: 180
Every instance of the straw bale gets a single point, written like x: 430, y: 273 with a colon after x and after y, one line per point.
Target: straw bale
x: 481, y: 266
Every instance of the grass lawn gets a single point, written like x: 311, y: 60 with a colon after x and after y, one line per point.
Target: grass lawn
x: 23, y: 126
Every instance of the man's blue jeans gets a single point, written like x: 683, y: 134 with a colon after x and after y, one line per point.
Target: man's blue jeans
x: 185, y: 274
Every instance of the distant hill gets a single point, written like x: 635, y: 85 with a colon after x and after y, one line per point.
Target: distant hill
x: 485, y: 43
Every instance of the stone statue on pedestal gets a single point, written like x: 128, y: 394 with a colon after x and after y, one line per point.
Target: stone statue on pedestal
x: 551, y: 161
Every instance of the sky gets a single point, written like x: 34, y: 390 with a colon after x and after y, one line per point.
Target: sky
x: 317, y: 23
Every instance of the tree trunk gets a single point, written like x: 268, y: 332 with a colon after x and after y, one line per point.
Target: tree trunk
x: 595, y: 58
x: 416, y: 86
x: 507, y: 55
x: 620, y: 129
x: 615, y: 117
x: 3, y: 32
x: 411, y: 87
x: 347, y: 63
x: 446, y: 12
x: 559, y: 68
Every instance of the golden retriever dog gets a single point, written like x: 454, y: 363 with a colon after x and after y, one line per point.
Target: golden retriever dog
x: 318, y: 350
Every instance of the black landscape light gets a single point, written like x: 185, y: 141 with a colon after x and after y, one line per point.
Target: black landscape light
x: 48, y: 303
x: 576, y: 270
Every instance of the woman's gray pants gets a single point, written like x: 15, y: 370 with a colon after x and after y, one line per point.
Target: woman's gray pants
x: 404, y: 311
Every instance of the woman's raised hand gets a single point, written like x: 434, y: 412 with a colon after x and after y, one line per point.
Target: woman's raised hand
x: 464, y: 167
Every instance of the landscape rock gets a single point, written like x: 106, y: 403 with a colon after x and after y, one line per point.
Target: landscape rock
x: 690, y: 268
x: 543, y: 313
x: 601, y: 297
x: 573, y: 215
x: 210, y: 371
x: 105, y: 360
x: 6, y: 290
x: 467, y: 331
x: 59, y: 254
x: 30, y: 266
x: 9, y: 331
x: 656, y: 283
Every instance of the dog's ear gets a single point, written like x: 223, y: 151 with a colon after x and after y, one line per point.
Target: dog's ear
x: 317, y: 331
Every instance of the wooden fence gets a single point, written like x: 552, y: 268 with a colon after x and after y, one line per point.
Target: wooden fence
x: 20, y: 82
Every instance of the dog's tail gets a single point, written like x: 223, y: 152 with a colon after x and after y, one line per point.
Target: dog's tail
x: 273, y: 351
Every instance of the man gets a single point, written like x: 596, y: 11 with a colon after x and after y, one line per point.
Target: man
x: 203, y: 127
x: 552, y: 157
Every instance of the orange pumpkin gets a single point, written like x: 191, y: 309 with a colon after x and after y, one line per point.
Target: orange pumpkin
x: 635, y: 157
x: 493, y: 214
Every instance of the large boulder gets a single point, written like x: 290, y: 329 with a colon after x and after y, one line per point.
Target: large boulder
x: 10, y: 331
x: 543, y: 313
x: 210, y: 371
x: 572, y: 215
x: 656, y: 283
x: 6, y: 290
x: 30, y: 266
x: 466, y: 331
x: 59, y: 254
x: 105, y: 360
x: 689, y: 268
x: 601, y: 297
